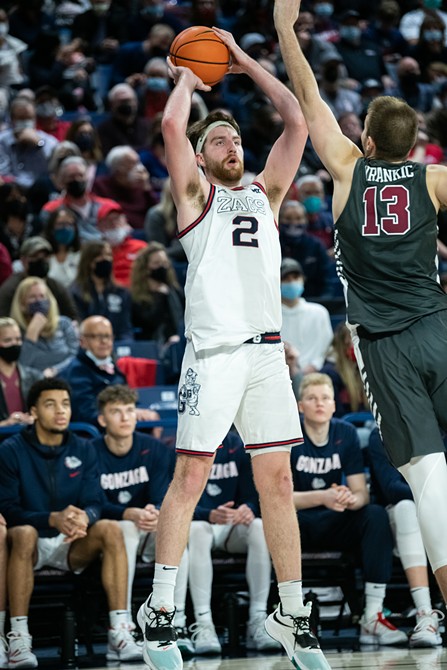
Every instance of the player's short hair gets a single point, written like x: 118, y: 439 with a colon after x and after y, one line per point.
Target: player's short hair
x: 49, y: 384
x: 315, y: 379
x: 196, y: 130
x: 393, y: 125
x: 118, y: 393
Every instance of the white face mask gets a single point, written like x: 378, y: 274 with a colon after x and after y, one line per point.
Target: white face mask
x: 116, y: 236
x: 4, y: 29
x: 18, y: 126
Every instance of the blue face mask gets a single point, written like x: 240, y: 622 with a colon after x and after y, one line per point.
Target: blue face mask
x: 64, y: 235
x: 432, y: 4
x: 324, y: 9
x: 292, y: 290
x: 313, y: 204
x: 432, y: 35
x: 42, y: 306
x: 158, y: 84
x: 350, y: 33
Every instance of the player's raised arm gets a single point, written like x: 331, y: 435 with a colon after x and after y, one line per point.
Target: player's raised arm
x: 180, y: 157
x: 334, y: 149
x: 285, y: 155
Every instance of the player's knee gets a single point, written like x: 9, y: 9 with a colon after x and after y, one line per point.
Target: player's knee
x: 191, y: 475
x: 23, y: 539
x: 110, y: 533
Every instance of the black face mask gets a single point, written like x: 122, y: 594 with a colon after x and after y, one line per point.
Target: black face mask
x: 409, y: 81
x: 159, y: 274
x: 125, y: 109
x: 103, y: 269
x: 10, y: 354
x: 38, y: 268
x: 84, y: 141
x: 76, y: 188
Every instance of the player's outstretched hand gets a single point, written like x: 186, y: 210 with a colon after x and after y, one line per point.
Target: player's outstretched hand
x: 286, y: 12
x: 176, y: 71
x: 239, y: 59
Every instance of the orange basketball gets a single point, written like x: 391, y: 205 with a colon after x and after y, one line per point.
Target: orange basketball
x: 203, y: 52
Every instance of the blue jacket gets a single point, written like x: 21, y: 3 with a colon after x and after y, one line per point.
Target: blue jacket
x: 231, y: 478
x: 86, y: 381
x: 140, y: 477
x: 36, y: 479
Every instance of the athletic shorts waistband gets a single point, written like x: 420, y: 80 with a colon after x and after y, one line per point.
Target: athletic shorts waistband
x: 265, y: 338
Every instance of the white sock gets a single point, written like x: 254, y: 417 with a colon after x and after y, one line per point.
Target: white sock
x: 256, y: 609
x: 203, y: 617
x: 421, y: 598
x: 118, y: 617
x: 163, y: 586
x: 374, y: 597
x: 19, y: 624
x: 2, y: 622
x: 291, y: 595
x: 180, y: 618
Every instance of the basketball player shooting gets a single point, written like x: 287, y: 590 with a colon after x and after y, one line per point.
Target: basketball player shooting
x: 385, y: 211
x: 234, y: 368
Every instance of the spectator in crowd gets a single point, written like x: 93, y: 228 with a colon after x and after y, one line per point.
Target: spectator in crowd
x: 411, y: 21
x: 341, y: 99
x: 334, y: 511
x: 45, y: 68
x: 431, y: 47
x: 157, y: 299
x: 74, y: 81
x: 56, y: 522
x: 11, y: 50
x: 156, y: 85
x: 305, y: 325
x: 28, y: 20
x: 46, y: 187
x: 50, y: 341
x: 351, y: 126
x: 135, y: 501
x: 93, y: 369
x: 34, y: 255
x: 71, y: 178
x: 24, y: 151
x: 15, y: 224
x: 95, y: 291
x: 123, y: 126
x: 161, y: 225
x: 227, y: 518
x: 48, y: 113
x: 15, y: 379
x: 390, y: 489
x: 318, y: 51
x: 320, y: 222
x: 410, y: 87
x: 114, y: 228
x: 298, y: 244
x: 128, y: 182
x: 341, y: 366
x: 131, y: 57
x: 85, y: 136
x: 371, y: 89
x: 62, y: 233
x: 384, y: 31
x: 151, y: 12
x: 154, y: 159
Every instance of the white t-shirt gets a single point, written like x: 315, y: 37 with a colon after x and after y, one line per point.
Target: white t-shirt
x: 307, y: 326
x: 65, y: 273
x: 411, y: 22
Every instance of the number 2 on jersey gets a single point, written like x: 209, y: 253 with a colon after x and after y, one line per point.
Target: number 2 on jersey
x: 387, y: 210
x: 240, y: 238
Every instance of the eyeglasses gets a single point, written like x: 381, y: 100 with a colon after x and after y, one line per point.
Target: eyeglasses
x: 99, y: 336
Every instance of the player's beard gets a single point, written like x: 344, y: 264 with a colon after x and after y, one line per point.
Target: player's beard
x: 226, y: 174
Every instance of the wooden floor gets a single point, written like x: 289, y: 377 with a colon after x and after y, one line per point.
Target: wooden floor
x: 384, y: 659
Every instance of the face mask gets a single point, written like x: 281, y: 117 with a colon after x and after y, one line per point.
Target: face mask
x: 152, y: 12
x: 47, y: 110
x: 116, y: 236
x: 432, y: 35
x: 4, y: 29
x: 103, y: 269
x: 18, y: 126
x: 409, y: 80
x: 124, y: 109
x: 292, y: 290
x: 159, y: 274
x: 157, y: 84
x: 76, y: 188
x: 325, y: 10
x: 432, y: 4
x: 84, y: 141
x: 292, y: 231
x: 39, y: 306
x: 38, y: 268
x: 64, y: 235
x: 313, y: 204
x: 101, y: 8
x: 330, y: 73
x: 350, y: 33
x: 10, y: 354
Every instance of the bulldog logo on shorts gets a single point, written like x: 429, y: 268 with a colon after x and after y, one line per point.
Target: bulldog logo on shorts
x: 189, y: 394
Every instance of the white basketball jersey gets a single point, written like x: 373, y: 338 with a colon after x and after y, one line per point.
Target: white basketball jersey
x: 233, y: 280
